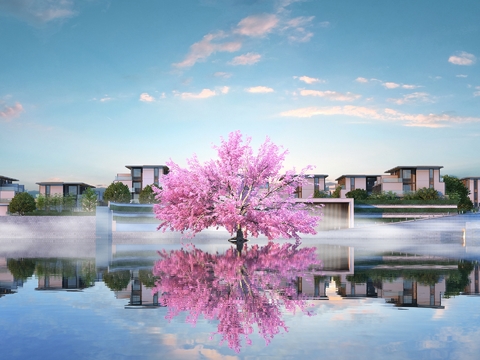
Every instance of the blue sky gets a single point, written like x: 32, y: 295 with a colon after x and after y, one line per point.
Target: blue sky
x: 351, y: 87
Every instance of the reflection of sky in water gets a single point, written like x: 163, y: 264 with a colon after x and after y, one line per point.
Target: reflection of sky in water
x: 94, y: 324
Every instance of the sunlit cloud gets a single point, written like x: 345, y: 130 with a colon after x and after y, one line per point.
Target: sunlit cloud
x: 412, y: 98
x: 145, y: 97
x: 361, y: 80
x: 393, y: 85
x: 204, y: 94
x: 297, y: 28
x: 7, y: 113
x: 462, y: 58
x: 420, y: 120
x: 331, y: 95
x: 206, y: 47
x: 259, y: 90
x: 461, y: 76
x: 38, y: 11
x: 222, y: 74
x: 246, y: 59
x: 309, y: 80
x: 257, y: 25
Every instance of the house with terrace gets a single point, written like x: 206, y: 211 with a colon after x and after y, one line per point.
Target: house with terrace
x: 352, y: 182
x: 140, y: 176
x: 405, y: 179
x: 314, y: 184
x: 7, y: 191
x: 472, y: 183
x: 56, y: 188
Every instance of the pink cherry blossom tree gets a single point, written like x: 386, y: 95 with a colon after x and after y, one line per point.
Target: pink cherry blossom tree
x: 241, y: 293
x: 244, y: 192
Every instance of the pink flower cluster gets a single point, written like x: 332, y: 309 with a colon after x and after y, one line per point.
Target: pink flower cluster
x: 239, y: 190
x: 240, y: 292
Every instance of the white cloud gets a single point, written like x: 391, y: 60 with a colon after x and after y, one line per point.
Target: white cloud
x: 420, y: 120
x: 10, y: 112
x: 476, y: 93
x: 246, y: 59
x: 259, y: 89
x: 38, y: 11
x: 324, y: 24
x: 413, y: 97
x: 331, y: 95
x: 204, y: 94
x: 222, y: 74
x: 462, y: 58
x: 361, y: 80
x: 296, y: 28
x: 257, y: 25
x: 309, y: 80
x: 105, y: 98
x: 461, y: 76
x: 390, y: 85
x: 146, y: 97
x: 206, y: 47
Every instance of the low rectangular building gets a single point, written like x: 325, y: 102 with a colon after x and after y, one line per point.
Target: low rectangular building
x: 7, y: 191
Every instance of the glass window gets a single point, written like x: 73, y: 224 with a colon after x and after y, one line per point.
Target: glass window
x: 137, y: 173
x: 407, y: 188
x: 352, y: 183
x: 407, y: 174
x: 72, y: 190
x: 47, y: 189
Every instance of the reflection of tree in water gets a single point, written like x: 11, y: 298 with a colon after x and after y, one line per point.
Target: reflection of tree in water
x: 117, y: 280
x: 21, y: 269
x: 239, y: 291
x: 457, y: 281
x: 146, y: 278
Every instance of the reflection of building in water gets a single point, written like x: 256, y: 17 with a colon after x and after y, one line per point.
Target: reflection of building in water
x: 62, y: 275
x: 139, y: 290
x: 473, y: 287
x: 8, y: 283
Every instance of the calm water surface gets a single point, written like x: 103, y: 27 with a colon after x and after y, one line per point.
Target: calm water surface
x: 318, y: 301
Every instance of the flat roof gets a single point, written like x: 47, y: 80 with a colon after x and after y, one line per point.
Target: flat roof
x: 144, y: 166
x: 471, y: 177
x: 63, y: 183
x: 421, y: 167
x: 356, y: 176
x: 7, y: 178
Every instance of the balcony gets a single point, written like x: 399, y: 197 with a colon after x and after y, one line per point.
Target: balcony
x: 123, y: 177
x: 388, y: 180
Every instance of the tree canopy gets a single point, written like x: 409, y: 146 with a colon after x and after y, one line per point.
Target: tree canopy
x: 147, y: 196
x: 239, y: 191
x: 455, y: 188
x: 117, y: 192
x: 89, y: 200
x: 22, y: 203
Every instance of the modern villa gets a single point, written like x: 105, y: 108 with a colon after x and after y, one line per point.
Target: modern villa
x: 51, y: 188
x: 472, y: 183
x: 7, y: 191
x: 404, y: 179
x: 314, y: 183
x: 141, y: 176
x: 352, y: 182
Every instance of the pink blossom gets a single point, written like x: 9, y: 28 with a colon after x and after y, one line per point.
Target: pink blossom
x: 239, y: 292
x: 239, y: 190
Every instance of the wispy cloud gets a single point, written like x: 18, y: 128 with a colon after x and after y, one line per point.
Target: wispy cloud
x: 206, y: 47
x: 38, y: 11
x: 412, y: 98
x: 246, y: 59
x: 222, y: 74
x: 296, y: 28
x: 361, y: 80
x: 324, y: 24
x: 331, y: 95
x: 259, y: 90
x: 477, y: 93
x: 462, y: 58
x: 420, y: 120
x: 7, y: 113
x: 257, y: 25
x: 204, y: 94
x: 309, y: 80
x: 393, y: 85
x: 145, y: 97
x: 461, y: 76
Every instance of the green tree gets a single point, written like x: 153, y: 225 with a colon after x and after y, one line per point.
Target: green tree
x: 41, y: 202
x: 56, y: 201
x: 456, y: 189
x: 117, y: 280
x: 89, y: 200
x: 147, y: 196
x: 117, y: 192
x: 357, y: 194
x: 423, y: 194
x: 22, y: 203
x: 320, y: 194
x: 21, y: 269
x: 336, y: 193
x: 69, y: 202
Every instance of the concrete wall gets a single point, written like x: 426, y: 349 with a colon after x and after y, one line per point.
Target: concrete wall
x: 148, y: 177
